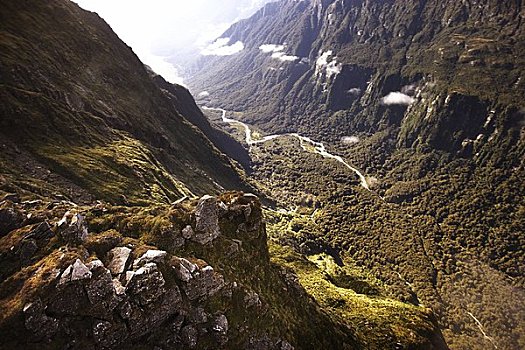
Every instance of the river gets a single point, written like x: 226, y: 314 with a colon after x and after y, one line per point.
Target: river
x: 318, y: 147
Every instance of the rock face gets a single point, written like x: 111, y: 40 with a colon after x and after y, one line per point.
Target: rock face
x: 118, y: 257
x: 170, y: 300
x: 76, y: 232
x: 207, y: 217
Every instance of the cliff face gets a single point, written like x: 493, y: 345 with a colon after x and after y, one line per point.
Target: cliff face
x: 342, y: 57
x: 82, y: 117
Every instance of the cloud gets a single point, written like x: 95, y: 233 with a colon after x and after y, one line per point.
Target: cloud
x: 331, y: 68
x: 277, y: 52
x: 267, y: 48
x: 203, y: 94
x: 350, y: 140
x: 397, y: 98
x: 220, y: 47
x: 355, y: 91
x: 281, y: 56
x: 162, y: 67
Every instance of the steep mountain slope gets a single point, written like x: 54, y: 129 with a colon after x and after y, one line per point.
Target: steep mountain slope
x: 95, y: 147
x: 80, y: 106
x: 426, y: 99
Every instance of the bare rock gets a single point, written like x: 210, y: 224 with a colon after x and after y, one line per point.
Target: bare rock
x: 189, y: 336
x: 252, y: 299
x: 118, y: 258
x: 118, y: 287
x: 76, y: 232
x: 185, y: 269
x: 147, y: 284
x: 80, y: 271
x: 40, y: 231
x: 10, y: 218
x: 207, y: 217
x: 38, y: 323
x: 27, y: 249
x: 203, y: 283
x: 187, y: 232
x: 198, y: 316
x: 75, y: 272
x: 151, y: 256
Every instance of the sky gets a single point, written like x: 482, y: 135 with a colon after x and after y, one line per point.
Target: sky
x: 159, y: 30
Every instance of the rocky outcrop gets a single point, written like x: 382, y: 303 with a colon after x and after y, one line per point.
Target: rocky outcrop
x: 207, y: 220
x: 114, y: 297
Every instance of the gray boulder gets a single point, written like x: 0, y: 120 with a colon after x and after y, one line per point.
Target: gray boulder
x: 118, y: 258
x: 76, y: 232
x: 155, y: 256
x: 207, y: 218
x: 146, y: 285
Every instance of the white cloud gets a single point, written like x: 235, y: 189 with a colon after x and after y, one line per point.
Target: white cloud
x: 350, y: 140
x: 203, y: 94
x: 322, y: 61
x: 162, y: 67
x: 281, y: 56
x: 267, y: 48
x: 221, y: 48
x: 331, y: 68
x: 355, y: 91
x: 397, y: 98
x: 277, y: 52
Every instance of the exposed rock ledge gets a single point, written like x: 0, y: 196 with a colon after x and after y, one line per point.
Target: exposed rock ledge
x: 85, y: 285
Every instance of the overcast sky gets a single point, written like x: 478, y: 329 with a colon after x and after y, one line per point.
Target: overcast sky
x: 159, y: 29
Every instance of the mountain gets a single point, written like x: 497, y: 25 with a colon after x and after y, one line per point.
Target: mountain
x: 119, y: 226
x: 425, y: 98
x: 80, y: 108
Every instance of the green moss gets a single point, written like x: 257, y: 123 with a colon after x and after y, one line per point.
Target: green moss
x: 377, y: 322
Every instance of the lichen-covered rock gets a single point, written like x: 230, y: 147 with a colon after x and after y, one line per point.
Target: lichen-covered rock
x: 146, y: 285
x: 203, y: 283
x: 38, y: 323
x: 108, y: 334
x: 152, y: 255
x: 118, y: 258
x: 207, y: 218
x: 220, y: 328
x: 187, y: 232
x: 10, y: 218
x: 189, y: 336
x: 76, y: 232
x: 100, y: 290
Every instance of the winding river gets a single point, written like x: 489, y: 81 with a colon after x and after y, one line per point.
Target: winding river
x: 318, y: 147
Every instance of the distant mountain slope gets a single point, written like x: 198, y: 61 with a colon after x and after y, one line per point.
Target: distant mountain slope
x: 427, y: 99
x: 78, y: 105
x: 376, y: 47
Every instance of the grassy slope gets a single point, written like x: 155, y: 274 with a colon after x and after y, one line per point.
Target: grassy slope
x: 78, y: 100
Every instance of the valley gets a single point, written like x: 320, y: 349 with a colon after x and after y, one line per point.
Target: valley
x: 349, y: 175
